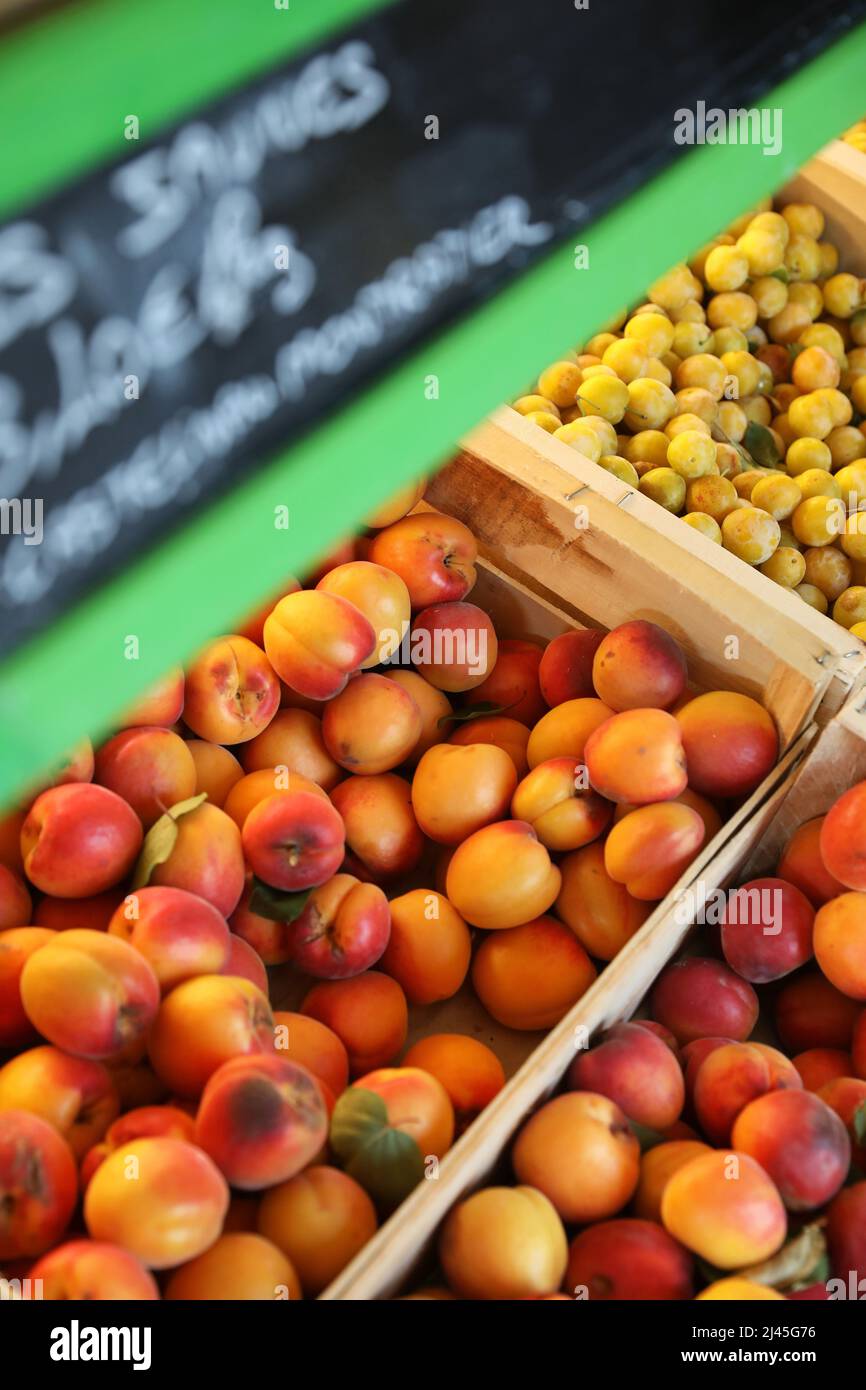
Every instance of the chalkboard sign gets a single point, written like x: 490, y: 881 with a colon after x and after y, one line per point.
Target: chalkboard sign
x: 169, y: 321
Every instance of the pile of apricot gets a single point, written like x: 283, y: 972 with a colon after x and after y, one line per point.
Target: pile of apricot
x: 716, y: 1149
x: 734, y: 397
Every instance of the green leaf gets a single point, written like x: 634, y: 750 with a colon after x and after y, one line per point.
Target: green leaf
x: 780, y: 274
x: 358, y: 1116
x: 761, y: 446
x: 161, y: 839
x: 859, y: 1123
x: 277, y: 906
x: 483, y: 710
x: 385, y: 1161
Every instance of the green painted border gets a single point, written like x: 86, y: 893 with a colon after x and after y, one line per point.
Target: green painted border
x: 74, y: 678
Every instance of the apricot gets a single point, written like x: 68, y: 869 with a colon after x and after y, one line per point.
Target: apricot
x: 320, y: 1219
x: 368, y: 1013
x: 628, y: 1259
x: 637, y: 756
x: 730, y: 743
x: 783, y: 1074
x: 315, y: 640
x: 73, y: 1094
x: 846, y: 1096
x: 371, y: 726
x: 699, y: 998
x: 245, y: 963
x: 767, y: 929
x: 810, y: 1012
x: 529, y: 977
x: 502, y: 876
x: 17, y: 945
x: 513, y: 683
x: 565, y: 671
x: 433, y: 706
x: 381, y: 596
x: 162, y: 1199
x: 93, y: 1271
x: 846, y: 1235
x: 453, y: 645
x: 433, y: 554
x: 79, y: 839
x: 240, y: 1266
x: 314, y: 1046
x: 471, y: 1074
x: 293, y: 840
x: 840, y: 943
x: 564, y: 731
x: 232, y: 692
x: 293, y: 740
x: 819, y: 1065
x: 657, y: 1167
x: 257, y: 786
x: 38, y: 1185
x: 204, y: 1022
x: 272, y: 941
x: 636, y: 1070
x: 261, y: 1119
x: 417, y: 1105
x: 738, y: 1291
x: 382, y: 833
x: 843, y: 838
x: 162, y: 703
x: 216, y: 769
x: 724, y: 1208
x: 802, y: 865
x: 456, y: 790
x: 89, y: 993
x: 503, y: 1243
x: 639, y: 666
x: 16, y: 908
x: 343, y: 929
x: 601, y: 912
x: 727, y: 1080
x: 563, y: 813
x: 178, y: 933
x: 799, y: 1141
x: 649, y: 849
x: 507, y: 734
x: 150, y: 767
x: 207, y: 859
x: 429, y: 948
x: 581, y: 1152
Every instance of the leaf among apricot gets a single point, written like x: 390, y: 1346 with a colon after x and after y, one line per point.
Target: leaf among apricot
x: 385, y: 1161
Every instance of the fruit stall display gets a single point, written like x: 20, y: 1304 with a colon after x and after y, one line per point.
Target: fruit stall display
x: 734, y: 397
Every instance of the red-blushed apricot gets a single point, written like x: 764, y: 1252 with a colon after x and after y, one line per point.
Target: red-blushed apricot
x: 602, y: 913
x: 565, y: 671
x: 628, y: 1259
x: 699, y: 998
x: 38, y: 1185
x: 799, y: 1141
x: 320, y: 1219
x: 207, y: 859
x: 581, y: 1152
x: 513, y: 683
x: 143, y: 1122
x: 457, y: 790
x: 95, y: 912
x: 161, y: 1199
x: 73, y: 1094
x: 429, y: 948
x: 783, y: 1074
x: 17, y: 945
x: 262, y: 1119
x: 730, y: 743
x: 658, y: 1030
x: 846, y: 1237
x: 240, y: 1266
x: 846, y: 1096
x: 204, y: 1022
x: 843, y: 838
x: 232, y: 693
x: 293, y: 840
x: 368, y: 1013
x: 840, y: 943
x: 767, y: 929
x: 380, y: 595
x: 382, y: 833
x: 89, y: 993
x: 150, y: 767
x: 639, y: 666
x: 471, y: 1074
x: 245, y: 963
x: 502, y: 876
x: 657, y: 1167
x: 417, y: 1105
x: 819, y: 1065
x: 727, y: 1080
x: 802, y: 865
x: 272, y: 941
x: 692, y: 1056
x: 315, y: 1046
x: 178, y: 933
x: 79, y: 839
x: 293, y: 740
x: 343, y: 929
x: 216, y: 769
x: 433, y: 706
x: 433, y: 554
x: 508, y: 734
x: 739, y: 1290
x: 16, y: 907
x: 636, y: 1070
x: 162, y: 703
x: 258, y: 786
x: 650, y: 848
x: 315, y: 640
x: 93, y: 1271
x: 503, y: 1243
x: 810, y: 1012
x: 637, y: 756
x: 723, y: 1207
x: 371, y: 726
x: 453, y: 645
x: 565, y: 730
x: 564, y: 813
